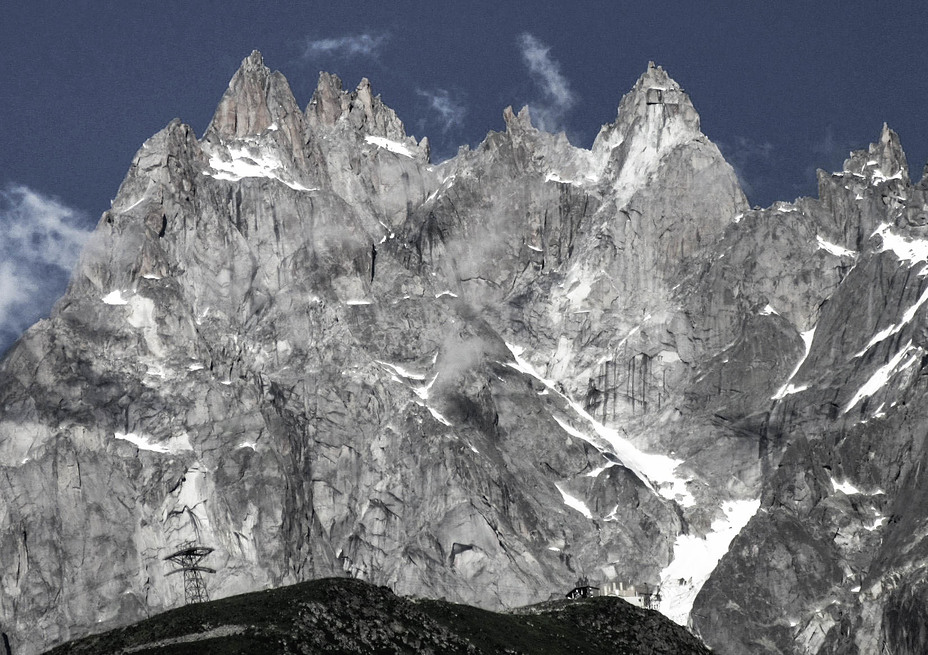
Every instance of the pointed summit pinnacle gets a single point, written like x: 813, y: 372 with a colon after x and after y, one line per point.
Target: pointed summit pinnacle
x: 254, y: 60
x: 882, y: 161
x: 517, y: 122
x: 656, y: 109
x: 256, y: 100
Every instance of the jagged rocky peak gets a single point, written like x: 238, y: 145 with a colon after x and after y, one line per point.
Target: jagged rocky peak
x: 362, y: 111
x: 882, y: 161
x: 655, y: 105
x: 256, y: 101
x: 520, y: 122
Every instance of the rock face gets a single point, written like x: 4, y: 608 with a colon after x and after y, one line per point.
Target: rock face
x: 297, y: 341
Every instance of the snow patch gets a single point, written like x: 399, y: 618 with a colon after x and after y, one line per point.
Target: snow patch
x: 845, y: 487
x: 388, y: 144
x: 695, y: 558
x: 358, y: 302
x: 880, y: 176
x: 245, y: 161
x: 554, y: 177
x: 768, y: 310
x: 423, y: 391
x: 573, y: 502
x: 834, y: 249
x: 595, y: 472
x: 789, y: 388
x: 403, y: 372
x: 446, y: 293
x: 655, y: 471
x: 115, y: 298
x: 882, y: 375
x: 913, y: 251
x: 896, y: 327
x: 174, y: 445
x: 438, y: 417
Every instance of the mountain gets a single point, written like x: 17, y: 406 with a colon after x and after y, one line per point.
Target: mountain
x: 349, y: 616
x: 297, y: 341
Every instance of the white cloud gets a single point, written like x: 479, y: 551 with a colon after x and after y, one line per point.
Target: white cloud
x: 546, y: 72
x: 42, y: 239
x: 353, y: 45
x: 450, y: 111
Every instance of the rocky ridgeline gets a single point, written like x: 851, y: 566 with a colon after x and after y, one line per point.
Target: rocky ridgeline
x: 299, y: 342
x: 349, y: 616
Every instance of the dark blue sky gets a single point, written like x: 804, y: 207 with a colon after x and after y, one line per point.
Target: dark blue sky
x: 782, y: 87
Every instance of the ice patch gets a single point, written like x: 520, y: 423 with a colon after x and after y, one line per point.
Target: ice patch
x: 115, y: 298
x: 789, y: 388
x: 358, y: 302
x: 446, y: 293
x: 879, y: 379
x: 387, y: 144
x: 573, y: 502
x: 833, y: 248
x: 768, y: 310
x: 695, y: 558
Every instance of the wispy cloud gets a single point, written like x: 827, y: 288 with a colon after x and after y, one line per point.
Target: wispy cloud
x: 748, y: 158
x: 546, y: 72
x: 450, y: 111
x: 42, y: 240
x: 353, y: 45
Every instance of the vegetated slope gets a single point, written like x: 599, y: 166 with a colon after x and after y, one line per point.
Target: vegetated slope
x: 341, y: 615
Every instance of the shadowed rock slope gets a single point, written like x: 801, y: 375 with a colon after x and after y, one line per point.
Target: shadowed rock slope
x: 349, y: 616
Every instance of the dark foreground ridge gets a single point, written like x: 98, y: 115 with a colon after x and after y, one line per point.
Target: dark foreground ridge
x: 340, y: 615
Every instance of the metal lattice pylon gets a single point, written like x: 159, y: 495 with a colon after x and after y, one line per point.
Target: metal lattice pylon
x: 188, y: 558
